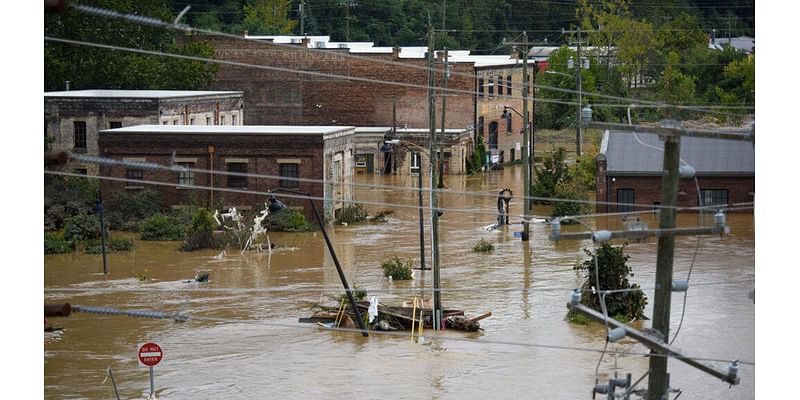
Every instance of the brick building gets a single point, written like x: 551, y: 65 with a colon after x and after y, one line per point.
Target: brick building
x: 74, y: 118
x: 315, y: 152
x: 629, y: 171
x: 275, y: 97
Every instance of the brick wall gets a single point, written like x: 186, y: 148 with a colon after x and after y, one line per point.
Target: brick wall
x: 491, y: 109
x: 262, y: 153
x: 274, y: 97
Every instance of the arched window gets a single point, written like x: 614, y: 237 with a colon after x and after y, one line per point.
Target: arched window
x: 499, y: 85
x: 480, y: 88
x: 508, y: 85
x: 491, y: 87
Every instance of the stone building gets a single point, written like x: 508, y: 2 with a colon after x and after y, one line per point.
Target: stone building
x: 373, y: 156
x: 630, y: 168
x: 323, y: 153
x: 74, y: 118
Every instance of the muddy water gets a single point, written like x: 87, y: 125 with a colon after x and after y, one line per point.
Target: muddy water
x: 526, y: 289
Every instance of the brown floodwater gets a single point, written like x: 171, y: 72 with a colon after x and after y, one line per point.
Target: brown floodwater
x: 526, y: 349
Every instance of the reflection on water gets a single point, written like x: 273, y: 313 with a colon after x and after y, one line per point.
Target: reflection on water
x: 525, y: 287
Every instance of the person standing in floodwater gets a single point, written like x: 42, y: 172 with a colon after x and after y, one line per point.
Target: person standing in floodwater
x: 503, y: 206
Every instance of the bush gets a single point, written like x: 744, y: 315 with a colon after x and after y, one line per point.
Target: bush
x: 65, y: 197
x: 56, y: 244
x: 483, y: 245
x: 161, y: 227
x: 125, y: 211
x: 287, y: 221
x: 112, y: 245
x: 381, y: 215
x: 551, y: 174
x: 613, y: 271
x: 397, y: 268
x: 201, y: 233
x: 352, y: 214
x: 569, y: 191
x: 82, y: 227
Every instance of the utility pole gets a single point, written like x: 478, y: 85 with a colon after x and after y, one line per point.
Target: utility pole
x: 658, y: 380
x: 434, y: 203
x: 446, y: 74
x: 526, y: 147
x: 302, y: 18
x: 580, y: 88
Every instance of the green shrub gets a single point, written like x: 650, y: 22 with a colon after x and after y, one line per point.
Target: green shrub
x: 397, y: 268
x: 613, y: 272
x: 483, y: 245
x: 56, y: 244
x: 125, y: 211
x: 201, y: 232
x: 112, y: 245
x: 569, y: 191
x: 287, y: 221
x: 352, y: 214
x: 81, y: 227
x: 120, y: 244
x: 161, y: 227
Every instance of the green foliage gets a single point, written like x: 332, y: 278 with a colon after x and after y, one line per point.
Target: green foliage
x: 552, y: 173
x: 55, y: 243
x: 65, y: 197
x: 93, y: 68
x: 268, y: 17
x: 613, y: 272
x: 478, y: 156
x: 397, y: 268
x: 113, y: 245
x: 201, y: 232
x: 352, y: 214
x: 483, y: 246
x: 161, y: 227
x: 82, y: 227
x: 287, y: 221
x: 584, y: 171
x: 674, y: 86
x: 570, y: 190
x: 125, y: 210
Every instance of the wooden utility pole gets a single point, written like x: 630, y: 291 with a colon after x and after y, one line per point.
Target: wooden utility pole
x: 578, y: 67
x: 526, y: 139
x: 446, y: 76
x: 434, y: 202
x: 302, y: 18
x: 658, y: 381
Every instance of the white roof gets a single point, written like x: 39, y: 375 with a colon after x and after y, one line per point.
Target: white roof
x: 233, y: 129
x: 140, y: 94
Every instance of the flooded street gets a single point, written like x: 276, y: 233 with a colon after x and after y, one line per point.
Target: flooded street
x: 526, y: 350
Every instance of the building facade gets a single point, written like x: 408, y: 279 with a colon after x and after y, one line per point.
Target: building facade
x: 74, y: 118
x: 275, y: 153
x: 630, y: 169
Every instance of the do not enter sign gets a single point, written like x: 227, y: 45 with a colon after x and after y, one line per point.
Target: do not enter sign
x: 150, y: 354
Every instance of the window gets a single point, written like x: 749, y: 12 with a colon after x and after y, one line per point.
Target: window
x: 493, y: 135
x: 222, y: 120
x: 416, y: 161
x: 508, y: 85
x: 80, y: 134
x: 191, y: 121
x: 714, y: 197
x: 164, y: 122
x: 208, y: 120
x: 480, y: 88
x: 135, y: 174
x: 480, y: 126
x: 290, y: 170
x: 186, y: 177
x: 233, y: 119
x: 491, y: 87
x: 509, y: 124
x: 512, y: 155
x: 114, y: 124
x: 624, y: 200
x: 235, y: 181
x: 499, y: 85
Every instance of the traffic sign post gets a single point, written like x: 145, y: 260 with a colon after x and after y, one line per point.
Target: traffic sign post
x: 150, y: 355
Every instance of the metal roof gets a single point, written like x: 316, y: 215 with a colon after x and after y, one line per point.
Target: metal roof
x: 625, y: 155
x: 232, y: 129
x: 140, y: 94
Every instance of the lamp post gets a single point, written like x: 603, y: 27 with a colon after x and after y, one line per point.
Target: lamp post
x: 527, y: 157
x: 421, y: 215
x: 276, y: 206
x: 99, y: 209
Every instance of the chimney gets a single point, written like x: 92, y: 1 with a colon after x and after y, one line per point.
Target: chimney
x: 305, y: 41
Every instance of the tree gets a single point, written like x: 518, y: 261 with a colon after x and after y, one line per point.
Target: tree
x: 609, y: 264
x: 552, y: 173
x: 674, y: 86
x: 94, y: 68
x: 268, y: 17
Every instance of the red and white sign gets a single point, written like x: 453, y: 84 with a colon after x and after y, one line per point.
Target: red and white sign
x: 150, y: 354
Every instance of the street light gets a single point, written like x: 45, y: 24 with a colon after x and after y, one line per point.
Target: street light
x: 276, y: 206
x: 421, y: 215
x: 99, y: 209
x: 527, y: 160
